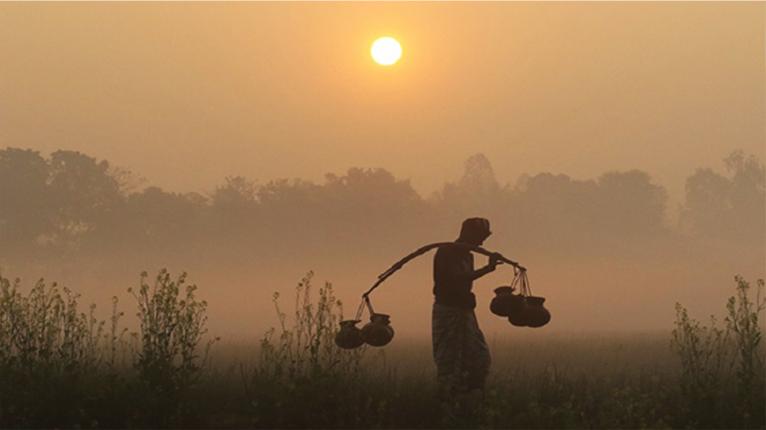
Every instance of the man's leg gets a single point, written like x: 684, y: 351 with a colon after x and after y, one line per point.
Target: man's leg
x: 477, y: 364
x: 479, y: 359
x: 448, y: 335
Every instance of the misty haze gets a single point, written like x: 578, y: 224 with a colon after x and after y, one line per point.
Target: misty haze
x: 615, y: 151
x: 609, y: 251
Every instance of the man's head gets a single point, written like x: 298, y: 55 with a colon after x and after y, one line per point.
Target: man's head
x: 474, y: 231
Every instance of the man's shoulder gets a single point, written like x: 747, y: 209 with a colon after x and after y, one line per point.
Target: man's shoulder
x: 452, y: 249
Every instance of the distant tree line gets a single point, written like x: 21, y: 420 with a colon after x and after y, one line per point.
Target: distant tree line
x: 72, y: 205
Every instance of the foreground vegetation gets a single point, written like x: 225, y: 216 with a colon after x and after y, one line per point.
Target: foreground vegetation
x: 60, y: 366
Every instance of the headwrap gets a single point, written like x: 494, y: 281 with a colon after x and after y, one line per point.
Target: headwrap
x: 474, y: 229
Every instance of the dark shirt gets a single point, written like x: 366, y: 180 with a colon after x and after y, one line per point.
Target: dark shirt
x: 453, y: 277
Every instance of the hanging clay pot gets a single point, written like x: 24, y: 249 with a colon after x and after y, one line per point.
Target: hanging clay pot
x: 349, y: 336
x: 378, y: 331
x: 535, y: 313
x: 505, y: 302
x: 519, y: 318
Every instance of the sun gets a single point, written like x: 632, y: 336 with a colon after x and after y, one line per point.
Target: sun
x: 386, y: 51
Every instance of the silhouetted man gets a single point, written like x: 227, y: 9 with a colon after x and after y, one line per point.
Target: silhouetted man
x: 460, y: 351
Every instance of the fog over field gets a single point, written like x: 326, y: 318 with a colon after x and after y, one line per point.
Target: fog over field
x: 616, y: 148
x: 602, y: 250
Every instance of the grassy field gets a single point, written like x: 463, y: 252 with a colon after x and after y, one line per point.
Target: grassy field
x: 62, y: 367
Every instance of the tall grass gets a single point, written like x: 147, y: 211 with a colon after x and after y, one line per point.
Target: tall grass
x: 743, y: 323
x: 169, y: 360
x: 301, y: 377
x: 722, y: 367
x: 60, y: 366
x: 50, y: 354
x: 302, y: 380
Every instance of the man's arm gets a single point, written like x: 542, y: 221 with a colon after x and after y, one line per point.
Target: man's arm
x: 460, y: 272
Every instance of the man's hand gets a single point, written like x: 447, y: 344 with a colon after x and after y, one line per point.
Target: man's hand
x: 495, y: 259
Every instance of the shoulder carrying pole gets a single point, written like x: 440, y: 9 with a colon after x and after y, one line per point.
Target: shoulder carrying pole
x: 422, y: 250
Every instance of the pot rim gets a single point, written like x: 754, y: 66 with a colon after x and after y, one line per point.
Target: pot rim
x: 380, y: 317
x: 503, y: 289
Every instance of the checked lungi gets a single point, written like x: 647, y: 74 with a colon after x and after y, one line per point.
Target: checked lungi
x: 460, y: 351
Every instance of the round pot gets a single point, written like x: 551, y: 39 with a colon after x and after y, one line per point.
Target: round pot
x: 535, y: 313
x: 520, y: 317
x: 378, y: 331
x: 349, y: 336
x: 505, y: 302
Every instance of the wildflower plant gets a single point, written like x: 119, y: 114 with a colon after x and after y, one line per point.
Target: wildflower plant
x: 722, y: 367
x: 170, y: 354
x: 301, y: 375
x: 50, y: 352
x: 743, y: 323
x: 172, y: 324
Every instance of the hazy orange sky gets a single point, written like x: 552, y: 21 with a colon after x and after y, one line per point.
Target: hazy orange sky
x: 184, y: 94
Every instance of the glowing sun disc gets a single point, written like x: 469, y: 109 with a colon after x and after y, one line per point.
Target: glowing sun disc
x: 386, y: 51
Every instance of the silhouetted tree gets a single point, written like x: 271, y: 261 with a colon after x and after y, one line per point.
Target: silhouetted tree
x: 76, y: 203
x: 160, y: 218
x: 731, y: 207
x: 630, y: 204
x: 237, y: 194
x: 476, y: 191
x: 25, y: 201
x: 707, y: 207
x: 554, y: 212
x: 372, y: 204
x: 748, y: 194
x: 234, y: 206
x: 83, y: 194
